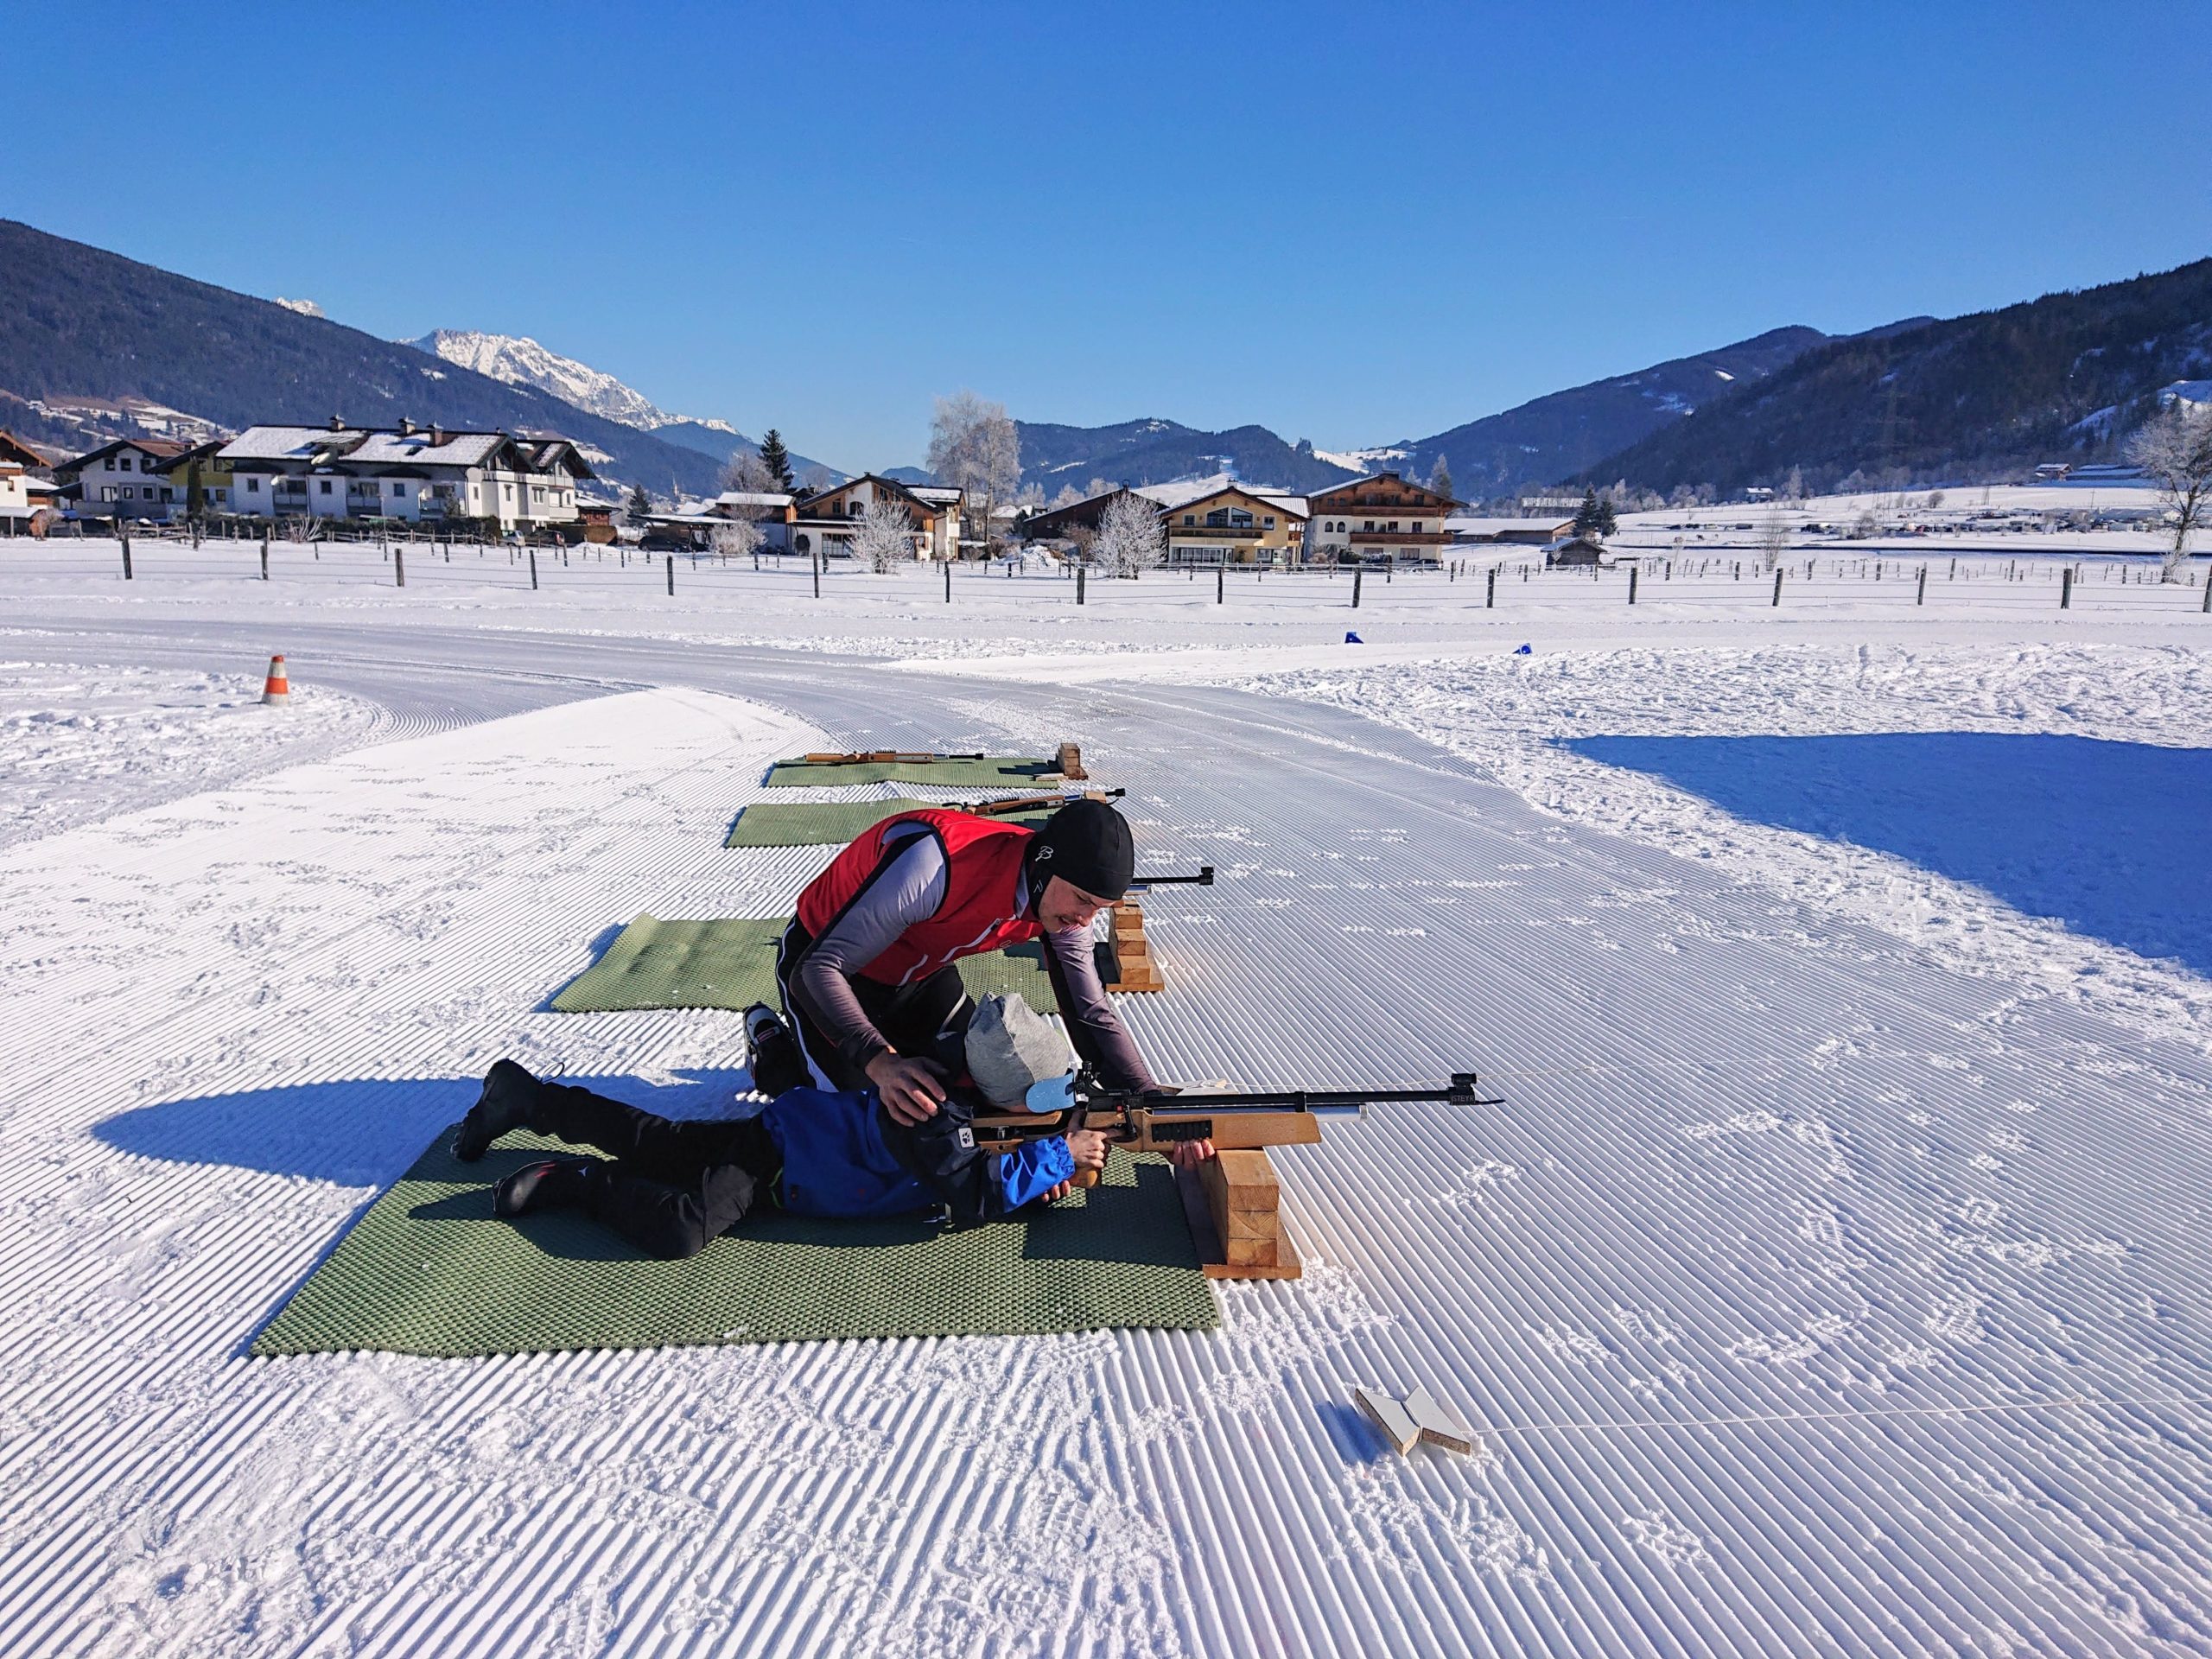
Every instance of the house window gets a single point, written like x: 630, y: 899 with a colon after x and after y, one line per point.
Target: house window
x: 1266, y: 524
x: 1217, y: 519
x: 326, y: 486
x: 1190, y: 520
x: 108, y: 465
x: 852, y: 510
x: 398, y: 489
x: 506, y: 492
x: 123, y: 463
x: 167, y: 494
x: 220, y: 497
x: 253, y: 487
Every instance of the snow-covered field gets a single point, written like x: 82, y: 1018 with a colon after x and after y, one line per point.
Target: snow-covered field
x: 1834, y: 1281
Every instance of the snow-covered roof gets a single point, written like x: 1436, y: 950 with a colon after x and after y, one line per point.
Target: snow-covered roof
x: 752, y: 499
x: 459, y: 449
x: 286, y: 442
x: 942, y: 492
x: 1472, y: 527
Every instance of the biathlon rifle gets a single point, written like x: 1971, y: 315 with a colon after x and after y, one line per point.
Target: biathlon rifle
x: 1014, y: 804
x: 1140, y: 1121
x: 865, y: 757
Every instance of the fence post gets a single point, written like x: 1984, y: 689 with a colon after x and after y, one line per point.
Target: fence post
x: 1357, y: 571
x: 1490, y: 600
x: 671, y: 572
x: 398, y: 568
x: 2208, y: 593
x: 2066, y: 588
x: 533, y: 569
x: 1631, y: 584
x: 1081, y: 571
x: 948, y: 582
x: 265, y: 558
x: 1776, y: 602
x: 1220, y: 581
x: 813, y: 560
x: 1921, y: 598
x: 127, y: 577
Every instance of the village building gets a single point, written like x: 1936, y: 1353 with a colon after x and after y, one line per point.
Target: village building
x: 202, y: 480
x: 1382, y: 516
x: 408, y: 472
x: 1236, y: 525
x: 827, y: 521
x: 1519, y: 532
x: 123, y: 481
x: 772, y: 510
x: 26, y: 482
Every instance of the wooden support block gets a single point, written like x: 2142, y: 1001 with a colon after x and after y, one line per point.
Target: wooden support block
x: 1245, y: 1180
x: 1069, y: 760
x: 1386, y: 1414
x: 1249, y: 1223
x: 1249, y: 1252
x: 1438, y: 1426
x: 1212, y: 1257
x: 1128, y: 919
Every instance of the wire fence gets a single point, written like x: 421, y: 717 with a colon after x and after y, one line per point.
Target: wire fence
x: 1698, y: 584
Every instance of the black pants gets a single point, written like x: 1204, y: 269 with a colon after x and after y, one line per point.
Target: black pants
x: 673, y: 1186
x: 921, y: 1019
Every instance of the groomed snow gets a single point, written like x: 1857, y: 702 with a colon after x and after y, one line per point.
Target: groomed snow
x: 1833, y: 1280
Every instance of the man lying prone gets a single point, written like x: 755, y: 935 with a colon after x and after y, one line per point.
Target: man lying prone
x: 671, y: 1186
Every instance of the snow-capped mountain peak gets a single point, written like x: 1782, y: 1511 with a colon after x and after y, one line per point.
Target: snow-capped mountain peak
x: 521, y: 361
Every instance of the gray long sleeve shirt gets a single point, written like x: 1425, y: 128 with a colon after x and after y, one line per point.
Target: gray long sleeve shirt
x: 909, y: 889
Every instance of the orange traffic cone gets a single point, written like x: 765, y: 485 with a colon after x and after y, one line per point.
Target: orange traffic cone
x: 276, y: 689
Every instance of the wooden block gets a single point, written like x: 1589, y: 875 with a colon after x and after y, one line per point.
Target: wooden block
x: 1438, y: 1426
x: 1128, y: 919
x: 1212, y: 1258
x: 1247, y: 1178
x: 1069, y: 760
x: 1250, y: 1223
x: 1397, y: 1425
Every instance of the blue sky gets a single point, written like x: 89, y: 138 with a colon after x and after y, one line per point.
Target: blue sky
x: 1349, y: 224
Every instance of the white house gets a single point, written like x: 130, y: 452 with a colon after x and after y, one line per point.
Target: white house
x: 828, y: 519
x: 124, y: 479
x: 410, y: 472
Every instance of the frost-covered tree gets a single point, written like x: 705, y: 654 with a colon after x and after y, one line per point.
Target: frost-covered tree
x: 777, y: 460
x: 751, y: 474
x: 1774, y: 539
x: 886, y: 538
x: 1440, y: 477
x: 2175, y: 452
x: 974, y: 447
x: 814, y: 481
x: 1129, y: 537
x: 1793, y: 487
x: 1068, y: 497
x: 740, y: 538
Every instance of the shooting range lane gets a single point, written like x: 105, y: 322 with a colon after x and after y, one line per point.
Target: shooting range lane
x: 1755, y: 1171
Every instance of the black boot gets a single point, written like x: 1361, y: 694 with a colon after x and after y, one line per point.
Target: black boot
x: 774, y: 1057
x: 555, y: 1184
x: 509, y: 1093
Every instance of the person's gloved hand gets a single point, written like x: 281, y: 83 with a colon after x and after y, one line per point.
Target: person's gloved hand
x: 912, y: 1090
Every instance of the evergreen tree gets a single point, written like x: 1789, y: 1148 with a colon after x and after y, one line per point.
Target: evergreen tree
x: 1440, y: 478
x: 640, y: 503
x: 1590, y: 517
x: 778, y: 460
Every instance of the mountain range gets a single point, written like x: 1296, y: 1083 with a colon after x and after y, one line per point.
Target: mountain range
x: 93, y: 345
x: 521, y: 361
x: 2065, y: 375
x: 79, y: 323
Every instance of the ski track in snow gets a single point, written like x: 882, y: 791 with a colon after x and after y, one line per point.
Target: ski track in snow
x: 1811, y: 1294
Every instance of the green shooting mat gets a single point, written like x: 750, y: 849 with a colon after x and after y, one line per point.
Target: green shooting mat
x: 428, y: 1269
x: 999, y: 771
x: 832, y: 823
x: 730, y: 962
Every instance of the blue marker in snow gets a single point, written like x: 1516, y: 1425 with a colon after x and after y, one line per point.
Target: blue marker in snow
x: 1524, y: 652
x: 1354, y: 639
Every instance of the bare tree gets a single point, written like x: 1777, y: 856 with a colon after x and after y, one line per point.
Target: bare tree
x: 740, y: 538
x: 1774, y: 539
x: 2175, y: 452
x: 815, y: 479
x: 974, y: 447
x: 886, y: 538
x: 1129, y: 538
x: 747, y: 473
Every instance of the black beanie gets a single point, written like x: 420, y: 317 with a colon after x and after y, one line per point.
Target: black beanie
x: 1087, y: 844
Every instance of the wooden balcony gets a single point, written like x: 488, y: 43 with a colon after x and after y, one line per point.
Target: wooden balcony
x: 1399, y: 538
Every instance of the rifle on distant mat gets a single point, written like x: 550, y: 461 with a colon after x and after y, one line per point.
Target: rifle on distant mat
x: 1012, y: 804
x: 866, y: 757
x: 1141, y: 1121
x: 1203, y: 878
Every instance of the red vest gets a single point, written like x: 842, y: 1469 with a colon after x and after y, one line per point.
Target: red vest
x: 983, y: 863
